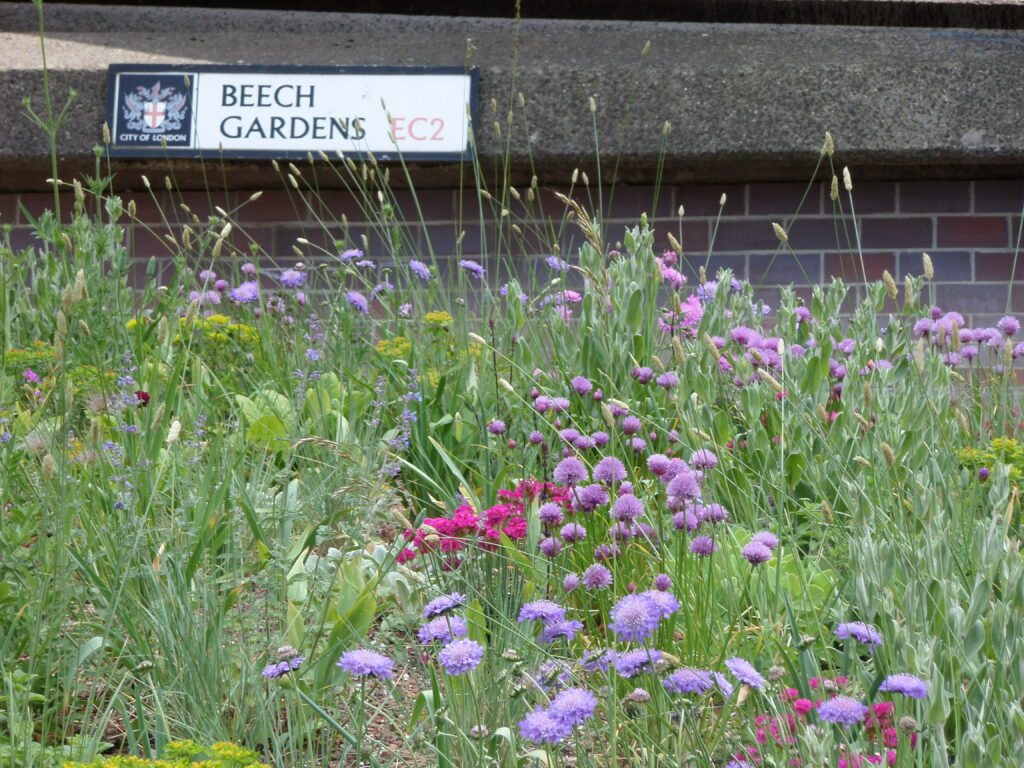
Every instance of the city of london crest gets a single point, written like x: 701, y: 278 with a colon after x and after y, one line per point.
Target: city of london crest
x: 155, y: 109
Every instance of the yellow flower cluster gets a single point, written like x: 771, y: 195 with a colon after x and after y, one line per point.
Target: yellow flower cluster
x: 1001, y: 450
x: 394, y: 348
x: 183, y: 754
x: 438, y: 319
x: 218, y: 329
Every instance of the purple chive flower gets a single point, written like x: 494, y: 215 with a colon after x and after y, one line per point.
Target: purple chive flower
x: 535, y: 438
x: 744, y: 671
x: 569, y: 434
x: 906, y: 684
x: 667, y: 380
x: 550, y: 546
x: 581, y: 384
x: 443, y: 604
x: 658, y: 463
x: 803, y: 314
x: 859, y: 631
x: 562, y: 628
x: 767, y: 538
x: 550, y: 514
x: 625, y: 488
x: 597, y: 576
x: 712, y: 513
x: 634, y: 618
x: 292, y: 278
x: 643, y: 374
x: 248, y: 268
x: 842, y: 710
x: 358, y: 302
x: 686, y: 520
x: 443, y: 628
x: 573, y: 532
x: 545, y: 610
x: 573, y: 706
x: 461, y: 656
x: 756, y: 553
x: 245, y: 292
x: 662, y: 582
x: 609, y: 470
x: 627, y: 507
x: 632, y: 663
x: 703, y: 459
x: 684, y: 485
x: 606, y: 552
x: 571, y: 582
x: 983, y: 474
x: 419, y: 269
x: 638, y: 444
x: 590, y: 497
x: 1009, y: 325
x: 364, y: 663
x: 570, y: 471
x: 496, y: 426
x: 703, y: 545
x: 688, y: 680
x: 542, y: 727
x: 473, y: 268
x: 631, y: 425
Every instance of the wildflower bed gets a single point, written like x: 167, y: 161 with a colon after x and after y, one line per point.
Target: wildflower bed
x: 614, y: 513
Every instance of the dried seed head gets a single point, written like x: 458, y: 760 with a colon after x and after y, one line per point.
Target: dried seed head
x: 826, y: 512
x: 131, y: 209
x: 145, y: 182
x: 297, y: 251
x: 293, y: 169
x: 521, y: 99
x: 68, y: 298
x: 173, y: 433
x: 709, y: 344
x: 49, y: 466
x: 702, y: 274
x: 62, y: 324
x: 79, y: 192
x: 888, y: 454
x: 586, y: 179
x: 926, y: 262
x: 85, y: 328
x: 919, y: 355
x: 772, y: 381
x: 666, y: 129
x: 677, y: 350
x: 954, y: 334
x: 646, y: 49
x: 593, y: 104
x: 868, y: 396
x: 847, y: 179
x: 676, y: 246
x: 575, y: 175
x: 477, y: 339
x: 862, y: 461
x: 217, y: 208
x: 275, y: 166
x: 167, y: 183
x: 780, y: 232
x: 217, y: 246
x: 609, y: 417
x: 908, y: 724
x: 890, y: 285
x: 829, y: 147
x: 225, y: 231
x: 1008, y: 354
x: 721, y: 201
x: 908, y: 291
x: 681, y: 212
x: 80, y: 291
x: 833, y: 191
x: 106, y: 133
x: 514, y: 192
x: 776, y: 673
x: 293, y: 181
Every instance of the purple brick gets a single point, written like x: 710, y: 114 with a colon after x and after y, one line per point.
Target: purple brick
x: 950, y: 266
x: 935, y: 196
x: 893, y: 233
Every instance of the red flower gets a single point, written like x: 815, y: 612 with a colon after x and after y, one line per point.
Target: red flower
x: 143, y: 397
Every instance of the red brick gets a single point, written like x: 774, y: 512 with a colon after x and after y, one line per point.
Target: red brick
x: 971, y: 298
x: 8, y: 208
x: 868, y: 197
x: 425, y: 204
x: 999, y: 267
x: 785, y: 199
x: 690, y: 264
x: 22, y: 238
x: 745, y: 235
x: 150, y: 241
x: 702, y: 199
x: 935, y: 196
x: 886, y: 233
x: 785, y: 268
x: 37, y: 202
x: 999, y: 196
x: 950, y: 266
x: 272, y: 206
x: 973, y: 232
x: 627, y: 202
x: 201, y: 203
x: 695, y: 236
x: 849, y: 267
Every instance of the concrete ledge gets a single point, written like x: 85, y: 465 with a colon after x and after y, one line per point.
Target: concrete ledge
x: 745, y: 101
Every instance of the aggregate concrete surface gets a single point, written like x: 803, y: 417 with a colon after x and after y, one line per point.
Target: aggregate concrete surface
x: 741, y: 98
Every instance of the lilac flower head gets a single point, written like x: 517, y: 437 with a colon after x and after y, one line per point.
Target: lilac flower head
x: 350, y: 254
x: 365, y: 663
x: 461, y: 656
x: 573, y: 706
x: 609, y: 470
x: 803, y: 314
x: 906, y: 684
x: 358, y: 302
x: 703, y: 546
x: 496, y: 426
x: 842, y: 710
x: 590, y: 497
x: 248, y: 268
x: 292, y: 278
x: 550, y: 514
x: 286, y: 663
x: 756, y: 553
x: 571, y: 582
x: 723, y: 684
x: 563, y: 628
x: 860, y: 632
x: 245, y: 292
x: 1009, y: 325
x: 570, y: 471
x: 559, y: 404
x: 542, y: 727
x: 550, y: 546
x: 557, y: 264
x: 767, y: 538
x: 581, y: 384
x: 744, y: 671
x: 688, y: 680
x: 684, y: 485
x: 473, y: 268
x: 573, y: 532
x: 662, y: 582
x: 658, y: 463
x: 545, y: 610
x: 631, y: 425
x: 443, y: 604
x: 600, y: 438
x: 627, y: 507
x: 703, y: 459
x: 643, y: 374
x: 638, y: 444
x: 596, y: 576
x: 665, y: 603
x: 712, y: 513
x: 631, y: 663
x: 419, y: 269
x: 536, y: 438
x: 686, y: 520
x: 443, y: 628
x: 634, y: 618
x: 667, y: 380
x: 745, y: 336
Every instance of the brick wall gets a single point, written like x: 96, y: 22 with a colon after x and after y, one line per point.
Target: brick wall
x: 970, y: 229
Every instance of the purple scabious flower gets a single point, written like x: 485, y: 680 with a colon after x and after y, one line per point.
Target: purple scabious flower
x: 581, y: 384
x: 597, y: 576
x: 542, y: 727
x: 590, y: 497
x: 803, y: 314
x: 473, y: 268
x: 358, y: 302
x: 767, y: 538
x: 443, y: 604
x: 550, y: 514
x: 627, y: 507
x: 634, y: 618
x: 744, y: 671
x: 665, y: 603
x: 557, y: 264
x: 1009, y: 325
x: 703, y: 459
x: 662, y: 582
x: 292, y: 278
x: 245, y: 292
x: 282, y: 667
x: 550, y: 546
x: 703, y: 546
x: 609, y: 470
x: 906, y: 684
x: 461, y: 656
x: 545, y: 610
x: 570, y: 471
x: 571, y: 582
x: 563, y: 628
x: 573, y: 532
x: 688, y: 680
x: 860, y: 632
x: 667, y: 380
x: 723, y: 684
x: 842, y: 710
x: 419, y: 269
x: 351, y: 253
x: 443, y: 628
x: 631, y: 425
x: 597, y: 661
x: 573, y: 706
x: 631, y: 663
x: 756, y: 553
x: 745, y: 336
x: 365, y: 663
x: 496, y: 426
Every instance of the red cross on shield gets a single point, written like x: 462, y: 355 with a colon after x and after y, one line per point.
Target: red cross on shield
x: 155, y: 111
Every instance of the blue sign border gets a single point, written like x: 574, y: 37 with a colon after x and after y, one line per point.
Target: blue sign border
x: 194, y: 153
